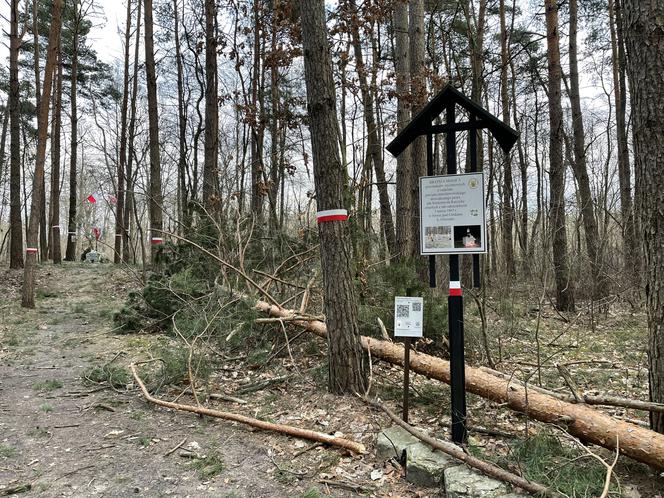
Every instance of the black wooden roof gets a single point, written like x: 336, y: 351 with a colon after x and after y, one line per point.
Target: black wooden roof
x: 422, y: 123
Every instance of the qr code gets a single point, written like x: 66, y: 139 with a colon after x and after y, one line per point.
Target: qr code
x: 417, y: 307
x: 403, y: 311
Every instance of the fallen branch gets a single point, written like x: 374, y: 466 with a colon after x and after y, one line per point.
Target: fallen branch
x: 175, y: 448
x: 285, y: 429
x: 584, y: 422
x: 260, y: 385
x: 458, y: 453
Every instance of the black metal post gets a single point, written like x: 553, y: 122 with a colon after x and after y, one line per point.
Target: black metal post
x: 455, y: 316
x: 406, y: 378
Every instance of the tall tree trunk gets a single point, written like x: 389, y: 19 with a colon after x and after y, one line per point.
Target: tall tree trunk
x: 155, y: 199
x: 43, y: 244
x: 122, y: 163
x: 256, y: 124
x: 418, y: 149
x: 129, y: 205
x: 404, y: 216
x: 374, y: 146
x: 630, y: 246
x: 507, y: 210
x: 28, y: 294
x: 54, y: 218
x: 185, y: 216
x: 15, y: 223
x: 564, y: 283
x: 599, y: 284
x: 276, y: 166
x: 211, y: 199
x: 72, y: 223
x: 644, y: 29
x: 523, y: 169
x: 347, y: 367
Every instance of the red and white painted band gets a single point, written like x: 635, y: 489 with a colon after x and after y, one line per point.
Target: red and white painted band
x: 157, y: 240
x: 71, y: 233
x: 118, y: 235
x: 455, y: 288
x: 56, y: 226
x: 31, y: 250
x: 331, y: 215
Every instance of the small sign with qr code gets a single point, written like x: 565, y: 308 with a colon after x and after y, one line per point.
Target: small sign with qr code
x: 408, y: 316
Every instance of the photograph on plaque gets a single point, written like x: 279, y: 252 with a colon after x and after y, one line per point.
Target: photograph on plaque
x: 452, y: 214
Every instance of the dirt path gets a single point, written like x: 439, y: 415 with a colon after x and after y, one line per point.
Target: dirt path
x: 66, y: 437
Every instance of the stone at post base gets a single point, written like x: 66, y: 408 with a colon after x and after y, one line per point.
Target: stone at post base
x: 392, y: 441
x: 463, y: 482
x: 428, y: 468
x: 424, y: 467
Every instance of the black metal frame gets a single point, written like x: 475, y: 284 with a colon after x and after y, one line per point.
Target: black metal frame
x: 422, y: 124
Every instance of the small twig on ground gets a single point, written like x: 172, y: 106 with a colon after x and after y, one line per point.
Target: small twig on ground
x: 257, y: 386
x: 358, y: 488
x: 175, y: 448
x: 103, y: 407
x: 308, y: 448
x: 72, y: 472
x: 14, y: 490
x: 609, y: 467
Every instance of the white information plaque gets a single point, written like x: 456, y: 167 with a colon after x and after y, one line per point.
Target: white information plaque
x: 452, y: 214
x: 408, y: 316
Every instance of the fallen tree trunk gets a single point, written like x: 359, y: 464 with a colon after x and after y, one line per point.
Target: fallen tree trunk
x: 582, y: 421
x: 285, y: 429
x: 589, y: 399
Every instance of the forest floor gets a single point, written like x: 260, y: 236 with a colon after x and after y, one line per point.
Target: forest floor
x: 67, y: 430
x: 63, y: 435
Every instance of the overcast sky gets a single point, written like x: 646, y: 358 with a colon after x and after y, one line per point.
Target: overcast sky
x: 105, y: 37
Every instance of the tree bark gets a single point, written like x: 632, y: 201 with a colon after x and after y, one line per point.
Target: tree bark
x: 122, y: 163
x: 418, y: 148
x: 404, y: 217
x: 28, y: 293
x: 256, y: 123
x: 644, y: 38
x: 72, y: 223
x: 347, y: 367
x: 582, y: 421
x: 507, y: 211
x: 564, y: 283
x: 129, y: 205
x: 211, y: 199
x: 185, y: 215
x: 15, y: 223
x: 43, y: 243
x: 630, y: 246
x: 598, y: 284
x: 55, y: 247
x: 155, y: 198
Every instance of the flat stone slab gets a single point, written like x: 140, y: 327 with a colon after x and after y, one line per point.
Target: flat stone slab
x: 463, y: 482
x: 392, y: 441
x: 424, y: 467
x: 428, y: 468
